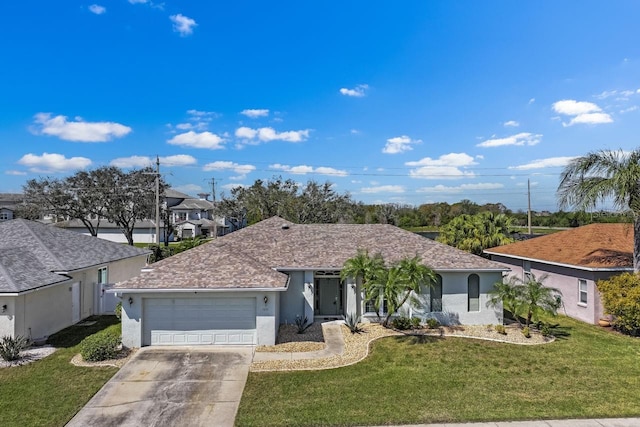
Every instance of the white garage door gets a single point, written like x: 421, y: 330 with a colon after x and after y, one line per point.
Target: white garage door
x: 192, y: 321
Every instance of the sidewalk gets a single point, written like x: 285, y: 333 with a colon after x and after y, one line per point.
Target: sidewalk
x: 600, y: 422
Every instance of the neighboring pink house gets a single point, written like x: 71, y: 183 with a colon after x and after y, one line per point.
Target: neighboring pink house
x: 574, y: 261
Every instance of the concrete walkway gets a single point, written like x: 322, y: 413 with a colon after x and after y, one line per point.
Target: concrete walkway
x: 600, y: 422
x: 332, y: 337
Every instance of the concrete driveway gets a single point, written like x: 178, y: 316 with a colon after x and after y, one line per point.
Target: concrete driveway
x: 189, y: 386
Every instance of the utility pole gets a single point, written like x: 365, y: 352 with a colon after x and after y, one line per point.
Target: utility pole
x: 158, y: 201
x: 529, y: 205
x: 213, y: 201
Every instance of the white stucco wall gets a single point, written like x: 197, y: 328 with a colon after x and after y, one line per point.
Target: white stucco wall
x: 7, y: 316
x: 266, y: 313
x: 43, y: 312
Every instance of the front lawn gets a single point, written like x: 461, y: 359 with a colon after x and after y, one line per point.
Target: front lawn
x: 588, y: 372
x: 50, y: 391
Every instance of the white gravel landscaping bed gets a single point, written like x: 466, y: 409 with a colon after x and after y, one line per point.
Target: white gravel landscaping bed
x: 356, y: 346
x: 29, y: 355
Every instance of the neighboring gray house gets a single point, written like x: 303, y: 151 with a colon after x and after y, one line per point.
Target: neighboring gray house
x: 237, y: 289
x: 8, y: 203
x: 51, y: 278
x: 574, y: 260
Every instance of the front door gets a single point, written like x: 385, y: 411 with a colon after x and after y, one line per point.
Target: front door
x: 328, y: 298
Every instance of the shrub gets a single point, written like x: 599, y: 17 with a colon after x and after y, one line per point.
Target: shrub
x: 415, y: 322
x: 302, y: 324
x: 432, y: 323
x: 353, y: 323
x: 526, y: 332
x: 102, y: 345
x: 621, y: 298
x: 401, y: 323
x: 545, y: 330
x: 10, y: 347
x: 118, y: 310
x: 501, y: 329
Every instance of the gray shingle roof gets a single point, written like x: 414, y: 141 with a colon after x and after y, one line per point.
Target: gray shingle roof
x: 191, y: 204
x: 245, y: 257
x: 43, y: 249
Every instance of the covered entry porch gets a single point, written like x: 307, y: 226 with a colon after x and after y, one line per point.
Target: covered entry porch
x: 329, y: 296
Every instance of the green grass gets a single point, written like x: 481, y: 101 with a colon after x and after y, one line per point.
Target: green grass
x: 539, y: 230
x: 587, y: 372
x: 50, y: 391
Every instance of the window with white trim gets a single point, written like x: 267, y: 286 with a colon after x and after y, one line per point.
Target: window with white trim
x: 583, y: 296
x: 473, y: 292
x: 102, y: 275
x: 369, y: 307
x: 435, y: 295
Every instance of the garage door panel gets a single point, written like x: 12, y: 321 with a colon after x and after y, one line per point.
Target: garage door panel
x: 193, y: 321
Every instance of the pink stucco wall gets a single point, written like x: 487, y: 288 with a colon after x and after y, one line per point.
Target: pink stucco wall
x: 566, y: 280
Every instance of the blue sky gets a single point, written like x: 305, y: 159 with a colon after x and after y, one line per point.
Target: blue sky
x: 430, y: 101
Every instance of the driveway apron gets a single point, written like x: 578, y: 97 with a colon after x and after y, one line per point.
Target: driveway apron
x: 186, y: 386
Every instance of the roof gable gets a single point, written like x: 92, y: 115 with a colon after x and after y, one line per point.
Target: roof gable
x: 590, y: 246
x: 250, y: 257
x: 50, y: 249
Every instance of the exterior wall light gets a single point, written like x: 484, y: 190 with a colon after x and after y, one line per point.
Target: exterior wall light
x: 130, y: 301
x: 265, y: 299
x: 4, y: 308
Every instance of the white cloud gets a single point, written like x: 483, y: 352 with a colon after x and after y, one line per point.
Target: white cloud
x: 255, y: 113
x: 138, y: 1
x: 451, y: 159
x: 511, y: 123
x: 447, y: 166
x: 202, y: 115
x: 550, y: 162
x: 268, y: 134
x: 304, y: 169
x: 79, y: 130
x: 523, y: 138
x: 97, y: 9
x: 242, y: 170
x: 51, y: 162
x: 182, y: 24
x: 131, y: 162
x: 14, y: 172
x: 583, y: 112
x: 198, y: 140
x: 358, y: 91
x: 532, y: 100
x: 144, y: 161
x: 460, y: 188
x: 571, y: 107
x: 188, y: 188
x: 383, y: 189
x: 628, y: 110
x: 178, y: 160
x: 399, y: 144
x: 232, y: 186
x: 355, y: 132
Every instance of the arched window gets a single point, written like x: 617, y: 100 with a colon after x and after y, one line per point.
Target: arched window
x: 435, y: 301
x: 473, y: 292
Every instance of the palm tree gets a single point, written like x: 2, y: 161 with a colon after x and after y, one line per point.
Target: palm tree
x: 506, y: 295
x: 601, y: 176
x: 406, y: 278
x: 393, y: 285
x: 474, y: 233
x: 535, y: 299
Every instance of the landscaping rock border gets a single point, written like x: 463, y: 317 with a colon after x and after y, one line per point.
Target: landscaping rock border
x: 29, y: 355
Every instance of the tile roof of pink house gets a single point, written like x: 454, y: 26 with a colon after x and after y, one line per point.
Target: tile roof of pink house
x: 594, y: 246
